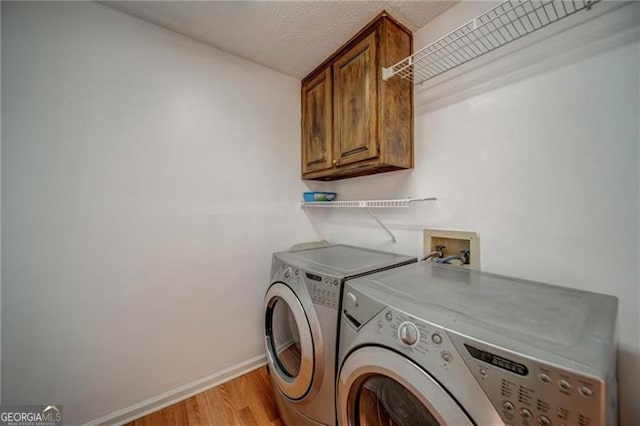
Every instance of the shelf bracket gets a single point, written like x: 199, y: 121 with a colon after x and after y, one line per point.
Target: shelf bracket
x: 393, y: 237
x: 387, y: 73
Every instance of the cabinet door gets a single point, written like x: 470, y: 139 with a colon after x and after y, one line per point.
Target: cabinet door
x: 355, y: 79
x: 317, y: 116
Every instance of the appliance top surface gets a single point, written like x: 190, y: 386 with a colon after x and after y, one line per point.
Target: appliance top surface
x: 343, y: 260
x: 573, y: 324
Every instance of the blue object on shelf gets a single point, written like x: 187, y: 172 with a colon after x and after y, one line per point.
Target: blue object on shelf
x: 319, y: 196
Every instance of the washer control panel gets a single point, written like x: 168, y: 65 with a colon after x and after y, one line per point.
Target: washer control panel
x: 324, y: 290
x: 527, y: 392
x: 418, y: 339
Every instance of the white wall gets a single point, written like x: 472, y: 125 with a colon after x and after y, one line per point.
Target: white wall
x: 146, y: 180
x: 638, y: 261
x: 0, y: 209
x: 544, y: 165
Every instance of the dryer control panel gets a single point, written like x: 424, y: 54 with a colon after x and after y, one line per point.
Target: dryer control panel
x: 324, y: 290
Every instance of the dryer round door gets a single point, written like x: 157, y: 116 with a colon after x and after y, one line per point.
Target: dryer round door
x: 288, y: 341
x: 380, y: 387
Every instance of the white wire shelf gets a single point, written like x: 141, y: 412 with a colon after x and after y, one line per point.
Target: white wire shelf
x: 368, y: 205
x: 507, y: 22
x: 365, y: 204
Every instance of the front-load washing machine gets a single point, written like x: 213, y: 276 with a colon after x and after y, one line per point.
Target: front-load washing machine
x: 301, y: 325
x: 432, y: 344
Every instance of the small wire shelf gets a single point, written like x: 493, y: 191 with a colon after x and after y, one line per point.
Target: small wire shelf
x: 366, y: 204
x: 507, y: 22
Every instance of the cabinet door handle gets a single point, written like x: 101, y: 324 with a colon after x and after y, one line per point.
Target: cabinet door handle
x: 335, y: 162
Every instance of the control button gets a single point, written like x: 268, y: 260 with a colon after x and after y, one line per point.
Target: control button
x: 563, y: 413
x: 508, y: 406
x: 525, y: 413
x: 409, y: 334
x: 584, y: 420
x: 446, y: 356
x: 544, y: 378
x: 585, y: 391
x: 436, y: 338
x: 484, y: 373
x: 388, y: 316
x: 564, y: 385
x: 287, y: 273
x: 544, y: 421
x: 297, y: 272
x: 335, y: 282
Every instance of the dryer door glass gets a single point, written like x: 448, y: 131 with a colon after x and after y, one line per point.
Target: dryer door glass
x: 383, y: 401
x: 286, y: 339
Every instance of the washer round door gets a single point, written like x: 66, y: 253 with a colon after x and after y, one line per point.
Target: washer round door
x: 380, y: 387
x: 288, y: 341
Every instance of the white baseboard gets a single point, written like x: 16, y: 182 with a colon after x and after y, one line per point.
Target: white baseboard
x: 181, y: 393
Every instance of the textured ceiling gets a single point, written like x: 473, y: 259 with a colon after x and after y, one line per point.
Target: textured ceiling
x: 292, y: 37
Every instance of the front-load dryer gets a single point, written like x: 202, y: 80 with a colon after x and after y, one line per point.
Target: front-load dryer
x: 301, y: 325
x: 432, y: 344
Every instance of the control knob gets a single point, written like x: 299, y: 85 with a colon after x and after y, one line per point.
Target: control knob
x: 408, y: 334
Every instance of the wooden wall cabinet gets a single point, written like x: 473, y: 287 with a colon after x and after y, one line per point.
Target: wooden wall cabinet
x: 353, y: 122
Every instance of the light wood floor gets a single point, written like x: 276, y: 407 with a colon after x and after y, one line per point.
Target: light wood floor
x: 245, y: 401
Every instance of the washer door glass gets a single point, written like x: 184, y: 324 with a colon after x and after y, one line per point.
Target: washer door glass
x: 377, y: 386
x: 286, y: 339
x: 383, y: 401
